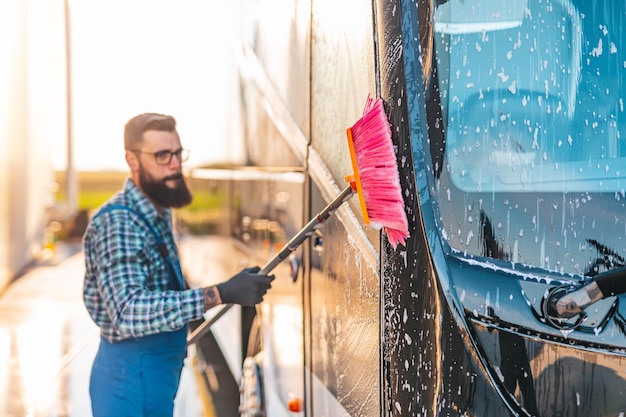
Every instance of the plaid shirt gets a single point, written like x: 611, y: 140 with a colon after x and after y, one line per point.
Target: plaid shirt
x: 126, y: 289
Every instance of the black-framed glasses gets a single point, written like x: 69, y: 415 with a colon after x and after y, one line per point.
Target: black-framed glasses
x: 165, y: 157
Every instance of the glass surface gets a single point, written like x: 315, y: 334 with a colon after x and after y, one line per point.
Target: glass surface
x: 533, y: 94
x: 532, y: 111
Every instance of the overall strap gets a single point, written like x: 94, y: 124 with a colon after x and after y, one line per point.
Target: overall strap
x: 175, y: 272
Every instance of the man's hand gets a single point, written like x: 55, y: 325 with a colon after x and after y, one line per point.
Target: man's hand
x: 247, y: 288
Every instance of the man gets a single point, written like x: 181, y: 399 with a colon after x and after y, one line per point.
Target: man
x: 133, y: 287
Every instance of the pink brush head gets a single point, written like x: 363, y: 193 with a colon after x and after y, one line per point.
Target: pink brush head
x: 376, y: 173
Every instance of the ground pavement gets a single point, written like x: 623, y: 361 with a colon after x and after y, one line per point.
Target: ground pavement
x: 48, y: 341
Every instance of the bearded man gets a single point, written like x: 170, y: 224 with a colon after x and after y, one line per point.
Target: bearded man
x: 134, y: 289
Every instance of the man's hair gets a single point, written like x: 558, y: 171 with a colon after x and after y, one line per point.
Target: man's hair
x: 135, y: 127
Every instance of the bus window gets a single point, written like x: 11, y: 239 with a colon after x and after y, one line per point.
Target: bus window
x: 531, y: 94
x: 532, y: 112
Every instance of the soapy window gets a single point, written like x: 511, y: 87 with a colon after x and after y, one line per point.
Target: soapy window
x: 532, y: 94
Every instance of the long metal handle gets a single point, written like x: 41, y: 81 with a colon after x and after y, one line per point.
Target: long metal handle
x: 286, y: 250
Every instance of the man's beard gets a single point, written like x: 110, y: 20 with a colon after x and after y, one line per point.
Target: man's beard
x: 161, y: 194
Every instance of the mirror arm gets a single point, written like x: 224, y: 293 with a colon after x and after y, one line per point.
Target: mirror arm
x: 573, y: 303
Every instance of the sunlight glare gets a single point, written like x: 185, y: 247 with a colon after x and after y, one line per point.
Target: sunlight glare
x: 130, y: 57
x: 39, y: 355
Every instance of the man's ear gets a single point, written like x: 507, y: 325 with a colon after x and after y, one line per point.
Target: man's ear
x: 132, y: 161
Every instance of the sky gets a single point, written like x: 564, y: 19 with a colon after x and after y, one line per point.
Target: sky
x: 167, y: 56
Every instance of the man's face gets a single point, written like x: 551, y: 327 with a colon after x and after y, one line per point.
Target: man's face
x: 162, y: 182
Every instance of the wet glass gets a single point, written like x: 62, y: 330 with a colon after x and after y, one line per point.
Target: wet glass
x: 533, y: 94
x: 532, y: 104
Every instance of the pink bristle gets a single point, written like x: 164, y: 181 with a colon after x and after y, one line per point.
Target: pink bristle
x: 396, y: 236
x: 378, y: 171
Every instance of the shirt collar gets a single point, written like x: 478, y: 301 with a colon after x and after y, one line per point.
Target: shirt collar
x: 140, y: 202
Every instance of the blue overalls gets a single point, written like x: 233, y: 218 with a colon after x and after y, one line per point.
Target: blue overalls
x: 139, y: 377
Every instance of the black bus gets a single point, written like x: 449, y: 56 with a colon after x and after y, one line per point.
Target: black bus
x: 508, y: 120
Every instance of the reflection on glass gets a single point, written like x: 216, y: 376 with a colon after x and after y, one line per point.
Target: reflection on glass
x: 532, y: 94
x: 531, y: 97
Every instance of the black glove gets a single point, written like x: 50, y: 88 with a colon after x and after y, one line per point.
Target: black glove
x: 247, y: 288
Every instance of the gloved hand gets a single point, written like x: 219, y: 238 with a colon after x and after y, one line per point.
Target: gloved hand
x: 247, y: 288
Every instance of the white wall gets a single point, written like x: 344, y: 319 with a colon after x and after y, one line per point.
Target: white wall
x: 32, y: 118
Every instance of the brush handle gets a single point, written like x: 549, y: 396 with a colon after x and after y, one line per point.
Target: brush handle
x: 286, y: 250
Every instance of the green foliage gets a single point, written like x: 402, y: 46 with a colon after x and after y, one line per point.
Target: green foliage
x: 203, y: 200
x: 94, y: 188
x: 205, y: 214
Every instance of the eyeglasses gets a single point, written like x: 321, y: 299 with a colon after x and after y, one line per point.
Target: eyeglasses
x: 165, y: 157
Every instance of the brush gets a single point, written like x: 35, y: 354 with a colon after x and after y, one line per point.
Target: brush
x: 376, y: 173
x: 375, y: 179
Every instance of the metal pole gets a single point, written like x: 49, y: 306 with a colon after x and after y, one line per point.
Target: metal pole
x: 289, y: 247
x: 71, y: 180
